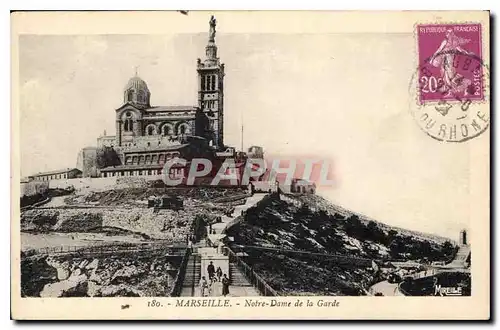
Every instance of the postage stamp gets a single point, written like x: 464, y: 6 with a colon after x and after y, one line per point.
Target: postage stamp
x: 449, y: 56
x: 451, y: 82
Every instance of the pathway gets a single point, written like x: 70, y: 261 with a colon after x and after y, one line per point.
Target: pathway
x: 57, y: 201
x: 355, y: 261
x: 461, y: 257
x: 238, y: 210
x: 240, y: 287
x: 191, y: 284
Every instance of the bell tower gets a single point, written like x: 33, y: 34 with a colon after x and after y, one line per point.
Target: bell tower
x: 211, y: 89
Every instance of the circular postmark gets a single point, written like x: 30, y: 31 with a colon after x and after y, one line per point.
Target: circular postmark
x: 448, y: 96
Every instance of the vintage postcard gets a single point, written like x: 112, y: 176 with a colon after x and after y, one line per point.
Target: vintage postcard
x: 251, y: 165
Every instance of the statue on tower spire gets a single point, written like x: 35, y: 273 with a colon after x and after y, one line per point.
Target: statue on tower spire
x: 211, y: 35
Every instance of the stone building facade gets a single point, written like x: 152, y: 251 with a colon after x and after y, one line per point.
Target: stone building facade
x: 67, y: 173
x: 147, y: 136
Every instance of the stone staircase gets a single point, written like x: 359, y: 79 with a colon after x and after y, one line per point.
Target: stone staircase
x: 239, y: 285
x: 462, y: 253
x: 461, y: 256
x: 237, y: 278
x: 192, y: 276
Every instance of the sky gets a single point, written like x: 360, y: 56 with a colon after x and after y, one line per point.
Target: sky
x: 337, y: 96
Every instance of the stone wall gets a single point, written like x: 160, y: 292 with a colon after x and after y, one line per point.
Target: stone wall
x: 84, y: 183
x: 34, y: 187
x: 87, y: 162
x: 136, y: 182
x: 100, y: 184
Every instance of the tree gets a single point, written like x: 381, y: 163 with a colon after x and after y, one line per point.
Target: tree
x: 392, y: 234
x: 448, y: 248
x: 355, y: 228
x: 372, y: 226
x: 107, y: 156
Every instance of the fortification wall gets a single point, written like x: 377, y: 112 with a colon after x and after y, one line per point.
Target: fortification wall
x: 97, y: 184
x: 83, y: 183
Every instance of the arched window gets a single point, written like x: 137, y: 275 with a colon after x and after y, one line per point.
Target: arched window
x: 151, y: 129
x: 130, y: 95
x: 182, y: 129
x: 128, y: 125
x: 141, y: 96
x: 213, y: 83
x: 166, y: 130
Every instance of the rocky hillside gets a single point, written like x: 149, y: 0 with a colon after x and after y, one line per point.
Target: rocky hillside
x: 139, y: 196
x: 133, y: 275
x: 164, y: 224
x: 313, y: 225
x: 320, y: 203
x: 127, y: 209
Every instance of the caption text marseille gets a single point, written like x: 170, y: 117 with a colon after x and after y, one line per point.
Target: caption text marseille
x: 256, y: 303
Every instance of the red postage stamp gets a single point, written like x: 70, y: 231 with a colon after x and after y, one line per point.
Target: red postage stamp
x: 450, y: 63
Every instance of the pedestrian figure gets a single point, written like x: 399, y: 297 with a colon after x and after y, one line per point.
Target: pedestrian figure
x: 211, y: 271
x: 190, y: 246
x: 219, y: 273
x: 225, y: 285
x: 210, y: 287
x: 203, y: 286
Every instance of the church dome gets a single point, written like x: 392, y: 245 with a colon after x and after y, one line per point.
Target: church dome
x: 137, y: 92
x: 136, y: 83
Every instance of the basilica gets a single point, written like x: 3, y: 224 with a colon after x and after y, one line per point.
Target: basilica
x: 149, y: 135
